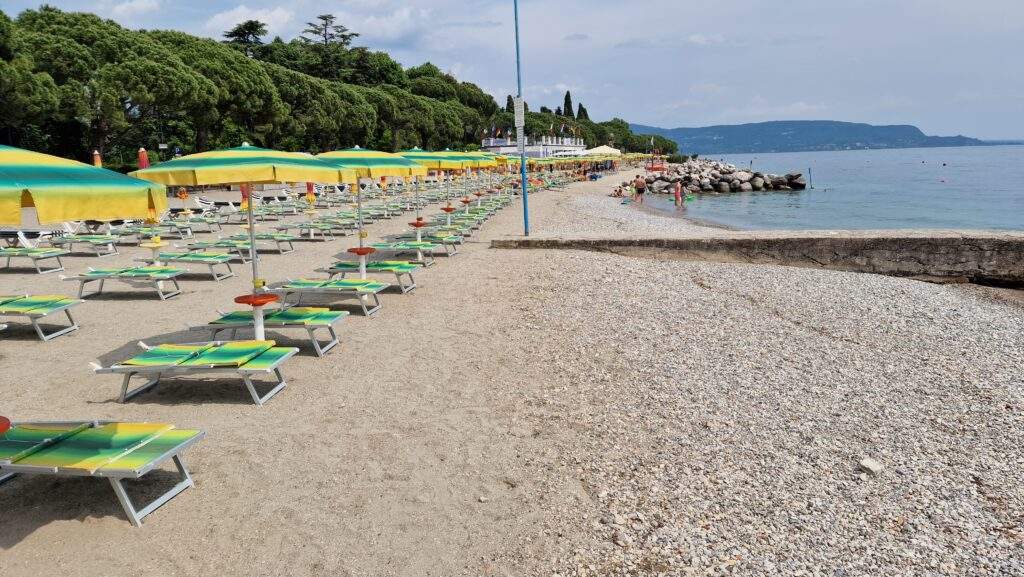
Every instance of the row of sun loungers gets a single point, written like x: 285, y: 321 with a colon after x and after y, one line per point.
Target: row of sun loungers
x: 118, y: 451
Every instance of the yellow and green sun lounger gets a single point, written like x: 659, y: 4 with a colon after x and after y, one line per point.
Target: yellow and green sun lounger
x: 245, y: 359
x: 307, y: 318
x: 285, y: 242
x: 400, y: 268
x: 36, y: 308
x: 210, y: 259
x: 423, y: 250
x: 100, y: 244
x: 142, y: 276
x: 35, y: 255
x: 364, y: 290
x: 114, y: 450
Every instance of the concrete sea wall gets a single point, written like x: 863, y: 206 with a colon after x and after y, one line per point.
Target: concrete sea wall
x: 982, y: 257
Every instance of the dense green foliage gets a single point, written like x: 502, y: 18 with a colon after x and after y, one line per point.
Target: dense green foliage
x: 73, y: 82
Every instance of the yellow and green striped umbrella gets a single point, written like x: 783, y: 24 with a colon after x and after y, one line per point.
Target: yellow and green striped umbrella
x: 245, y: 165
x: 63, y: 190
x: 437, y: 160
x: 373, y: 163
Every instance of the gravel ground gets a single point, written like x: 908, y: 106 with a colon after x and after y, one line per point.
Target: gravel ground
x: 722, y: 410
x: 562, y: 412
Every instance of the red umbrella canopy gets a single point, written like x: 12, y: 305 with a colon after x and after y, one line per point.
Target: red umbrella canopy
x: 5, y: 424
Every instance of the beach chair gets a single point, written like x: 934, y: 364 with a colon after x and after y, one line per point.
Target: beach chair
x: 400, y: 268
x: 36, y: 308
x: 449, y: 240
x: 100, y: 244
x: 153, y: 276
x: 364, y: 290
x: 244, y: 359
x: 309, y: 230
x: 112, y: 450
x: 307, y: 318
x: 285, y: 242
x: 35, y: 255
x: 210, y: 259
x: 423, y: 251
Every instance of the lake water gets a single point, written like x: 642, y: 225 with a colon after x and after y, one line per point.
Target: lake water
x: 973, y: 187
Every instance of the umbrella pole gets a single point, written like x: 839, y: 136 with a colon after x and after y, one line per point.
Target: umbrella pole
x: 416, y: 189
x: 257, y: 283
x: 359, y: 220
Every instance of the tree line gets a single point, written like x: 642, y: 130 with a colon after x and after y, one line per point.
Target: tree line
x: 71, y: 83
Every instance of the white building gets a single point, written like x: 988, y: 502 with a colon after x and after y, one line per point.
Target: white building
x: 536, y: 147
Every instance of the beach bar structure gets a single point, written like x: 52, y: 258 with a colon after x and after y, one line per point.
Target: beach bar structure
x: 536, y: 147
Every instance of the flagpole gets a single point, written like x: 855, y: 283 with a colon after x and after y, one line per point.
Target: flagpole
x: 521, y: 129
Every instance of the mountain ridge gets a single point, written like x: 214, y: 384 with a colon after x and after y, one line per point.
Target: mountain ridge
x: 803, y: 136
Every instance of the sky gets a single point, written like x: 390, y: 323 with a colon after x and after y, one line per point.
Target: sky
x: 949, y: 67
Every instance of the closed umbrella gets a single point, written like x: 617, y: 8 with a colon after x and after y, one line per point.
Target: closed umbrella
x: 143, y: 158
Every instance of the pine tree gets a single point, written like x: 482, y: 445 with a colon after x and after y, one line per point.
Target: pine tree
x: 325, y: 32
x: 545, y: 110
x: 568, y: 104
x: 582, y: 113
x: 510, y: 104
x: 558, y: 111
x: 247, y: 35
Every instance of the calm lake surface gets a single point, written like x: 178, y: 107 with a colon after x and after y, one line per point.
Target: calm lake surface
x: 973, y: 187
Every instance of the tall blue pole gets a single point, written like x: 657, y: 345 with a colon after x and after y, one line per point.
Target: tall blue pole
x: 522, y: 130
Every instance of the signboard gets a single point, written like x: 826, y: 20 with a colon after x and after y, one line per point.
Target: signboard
x: 520, y: 112
x: 162, y: 146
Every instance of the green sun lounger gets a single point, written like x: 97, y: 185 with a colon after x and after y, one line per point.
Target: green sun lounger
x: 100, y: 244
x: 35, y: 255
x: 310, y: 230
x: 35, y: 308
x: 400, y: 268
x: 307, y: 318
x: 364, y: 290
x: 244, y: 359
x: 112, y: 450
x: 153, y: 276
x: 423, y: 250
x: 285, y: 242
x: 448, y: 240
x: 181, y: 230
x: 210, y: 259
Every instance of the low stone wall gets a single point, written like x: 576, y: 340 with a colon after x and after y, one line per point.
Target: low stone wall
x: 985, y: 258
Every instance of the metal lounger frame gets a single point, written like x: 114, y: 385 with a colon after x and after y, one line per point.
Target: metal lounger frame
x: 320, y: 348
x: 160, y: 372
x: 404, y: 287
x: 339, y: 294
x: 35, y: 318
x: 135, y: 515
x: 82, y: 280
x: 35, y: 262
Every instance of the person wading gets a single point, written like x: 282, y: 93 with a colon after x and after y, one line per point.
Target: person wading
x: 640, y: 185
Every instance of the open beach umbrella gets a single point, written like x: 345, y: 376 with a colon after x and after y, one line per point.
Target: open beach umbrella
x: 437, y: 160
x: 246, y: 165
x: 373, y: 164
x: 61, y: 190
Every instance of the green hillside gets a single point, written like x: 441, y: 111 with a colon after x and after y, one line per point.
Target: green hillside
x: 73, y: 82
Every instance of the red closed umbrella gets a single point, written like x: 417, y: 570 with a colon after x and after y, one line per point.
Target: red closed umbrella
x: 5, y: 424
x: 143, y: 159
x: 97, y: 160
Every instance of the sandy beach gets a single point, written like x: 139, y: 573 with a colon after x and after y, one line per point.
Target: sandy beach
x: 528, y: 412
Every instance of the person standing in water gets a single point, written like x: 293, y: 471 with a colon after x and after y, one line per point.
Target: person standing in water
x: 640, y: 186
x: 677, y: 190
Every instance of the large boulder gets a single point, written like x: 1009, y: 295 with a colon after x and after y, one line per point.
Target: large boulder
x: 722, y: 186
x: 757, y: 183
x: 659, y: 186
x: 742, y: 176
x: 797, y: 183
x: 778, y: 181
x: 746, y: 187
x: 735, y: 185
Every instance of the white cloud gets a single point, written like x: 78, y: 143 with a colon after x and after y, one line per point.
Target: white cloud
x: 277, y: 19
x: 705, y: 40
x: 760, y: 109
x: 131, y: 8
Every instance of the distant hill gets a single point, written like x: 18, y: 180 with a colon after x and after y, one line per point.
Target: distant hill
x: 801, y: 135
